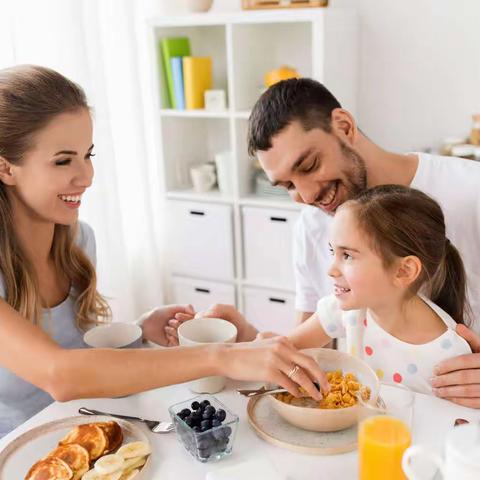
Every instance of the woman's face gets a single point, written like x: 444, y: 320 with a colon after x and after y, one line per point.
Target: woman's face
x: 359, y: 275
x: 50, y: 180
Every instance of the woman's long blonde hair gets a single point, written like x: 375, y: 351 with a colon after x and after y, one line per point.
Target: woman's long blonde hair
x: 30, y: 97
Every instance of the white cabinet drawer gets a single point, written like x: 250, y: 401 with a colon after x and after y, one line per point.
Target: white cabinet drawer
x: 201, y: 240
x: 201, y: 293
x: 268, y: 246
x: 269, y: 310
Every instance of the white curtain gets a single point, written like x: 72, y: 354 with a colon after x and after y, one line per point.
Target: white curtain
x: 101, y: 45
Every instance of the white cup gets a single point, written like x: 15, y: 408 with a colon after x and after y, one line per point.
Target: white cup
x: 202, y: 331
x: 462, y: 455
x: 223, y: 162
x: 114, y: 335
x: 203, y: 177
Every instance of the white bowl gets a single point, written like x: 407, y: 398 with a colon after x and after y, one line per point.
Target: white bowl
x: 331, y: 420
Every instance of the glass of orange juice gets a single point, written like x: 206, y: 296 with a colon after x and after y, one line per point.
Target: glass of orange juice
x: 384, y: 437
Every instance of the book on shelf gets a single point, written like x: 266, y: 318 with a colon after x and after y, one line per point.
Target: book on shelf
x: 197, y: 77
x: 177, y: 74
x: 172, y: 47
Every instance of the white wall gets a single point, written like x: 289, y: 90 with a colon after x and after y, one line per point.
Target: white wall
x: 419, y: 66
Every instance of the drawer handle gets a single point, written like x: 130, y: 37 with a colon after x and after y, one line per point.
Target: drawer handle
x: 277, y: 300
x: 278, y: 219
x: 202, y: 290
x: 196, y: 212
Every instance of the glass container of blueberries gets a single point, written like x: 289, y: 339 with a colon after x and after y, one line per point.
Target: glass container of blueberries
x: 205, y: 427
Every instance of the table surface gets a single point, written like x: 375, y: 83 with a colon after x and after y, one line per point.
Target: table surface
x: 433, y: 418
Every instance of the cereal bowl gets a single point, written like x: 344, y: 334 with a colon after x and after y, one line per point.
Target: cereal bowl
x: 331, y: 420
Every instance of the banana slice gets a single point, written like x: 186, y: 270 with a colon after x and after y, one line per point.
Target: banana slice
x: 130, y: 462
x: 94, y: 475
x: 134, y: 449
x: 109, y: 464
x: 139, y: 461
x: 129, y: 475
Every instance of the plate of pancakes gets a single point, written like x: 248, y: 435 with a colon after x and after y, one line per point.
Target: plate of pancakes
x: 78, y: 448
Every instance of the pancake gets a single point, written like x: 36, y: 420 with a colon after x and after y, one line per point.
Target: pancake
x: 50, y: 469
x: 75, y: 456
x: 114, y: 434
x: 90, y: 436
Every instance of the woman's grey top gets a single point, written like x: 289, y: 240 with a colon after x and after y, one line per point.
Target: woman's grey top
x: 19, y: 399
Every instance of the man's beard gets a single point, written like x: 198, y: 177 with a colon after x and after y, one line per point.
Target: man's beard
x: 355, y: 175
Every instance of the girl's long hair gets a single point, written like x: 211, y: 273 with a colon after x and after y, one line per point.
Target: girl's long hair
x: 402, y: 221
x: 30, y: 97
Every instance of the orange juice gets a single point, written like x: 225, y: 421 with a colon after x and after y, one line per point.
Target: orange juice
x: 382, y: 440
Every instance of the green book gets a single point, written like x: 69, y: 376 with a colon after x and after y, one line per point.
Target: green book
x: 172, y: 47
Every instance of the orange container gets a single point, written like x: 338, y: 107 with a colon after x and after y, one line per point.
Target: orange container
x: 382, y: 440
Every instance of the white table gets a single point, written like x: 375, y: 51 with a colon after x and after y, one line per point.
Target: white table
x: 432, y: 419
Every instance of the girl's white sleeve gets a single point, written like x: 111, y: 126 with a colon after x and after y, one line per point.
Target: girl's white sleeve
x: 330, y: 316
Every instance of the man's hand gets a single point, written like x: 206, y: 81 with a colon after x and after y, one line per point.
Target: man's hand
x: 154, y: 322
x: 458, y: 379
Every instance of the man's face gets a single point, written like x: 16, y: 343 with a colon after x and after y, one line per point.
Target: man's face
x: 316, y: 167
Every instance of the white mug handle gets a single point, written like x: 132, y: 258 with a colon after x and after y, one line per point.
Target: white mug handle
x: 420, y: 451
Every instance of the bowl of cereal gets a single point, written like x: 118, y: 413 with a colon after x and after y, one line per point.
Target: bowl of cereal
x: 352, y: 383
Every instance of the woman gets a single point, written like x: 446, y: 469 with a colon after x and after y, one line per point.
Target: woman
x: 48, y: 295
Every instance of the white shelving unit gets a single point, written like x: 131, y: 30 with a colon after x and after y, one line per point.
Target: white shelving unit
x: 217, y: 239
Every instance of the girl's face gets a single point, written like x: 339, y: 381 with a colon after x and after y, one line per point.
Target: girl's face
x: 49, y: 182
x: 360, y: 278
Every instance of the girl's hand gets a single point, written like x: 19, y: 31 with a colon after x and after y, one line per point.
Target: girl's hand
x: 265, y: 335
x: 155, y: 322
x: 245, y: 331
x: 173, y: 324
x: 272, y: 361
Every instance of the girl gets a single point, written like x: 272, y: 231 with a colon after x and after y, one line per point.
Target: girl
x: 399, y: 288
x: 48, y: 295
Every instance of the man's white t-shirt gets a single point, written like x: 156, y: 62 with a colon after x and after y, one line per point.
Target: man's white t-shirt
x: 453, y: 182
x: 392, y: 359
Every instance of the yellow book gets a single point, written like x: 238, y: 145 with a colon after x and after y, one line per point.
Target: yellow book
x: 197, y: 77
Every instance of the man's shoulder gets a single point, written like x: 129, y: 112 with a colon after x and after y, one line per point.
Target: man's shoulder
x: 431, y: 167
x: 313, y: 220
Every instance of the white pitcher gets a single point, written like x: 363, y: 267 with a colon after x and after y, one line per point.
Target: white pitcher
x: 462, y: 455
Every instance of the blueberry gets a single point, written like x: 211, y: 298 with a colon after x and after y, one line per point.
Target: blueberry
x: 204, y: 454
x: 190, y: 421
x: 216, y: 422
x: 227, y: 431
x: 209, y: 411
x: 221, y: 414
x: 205, y: 425
x: 196, y: 428
x: 184, y: 413
x: 195, y: 405
x: 197, y: 416
x: 219, y: 434
x: 203, y: 443
x: 222, y: 445
x: 205, y: 403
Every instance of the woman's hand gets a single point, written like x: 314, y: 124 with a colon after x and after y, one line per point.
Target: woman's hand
x: 155, y: 322
x: 273, y: 360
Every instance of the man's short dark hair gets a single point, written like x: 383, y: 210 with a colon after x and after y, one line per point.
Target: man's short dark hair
x: 302, y: 99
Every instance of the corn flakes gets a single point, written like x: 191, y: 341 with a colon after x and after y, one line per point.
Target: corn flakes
x: 343, y: 393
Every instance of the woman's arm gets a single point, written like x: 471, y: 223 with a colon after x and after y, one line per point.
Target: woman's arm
x: 68, y: 374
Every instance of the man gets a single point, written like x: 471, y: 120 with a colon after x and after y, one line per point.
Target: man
x: 307, y: 143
